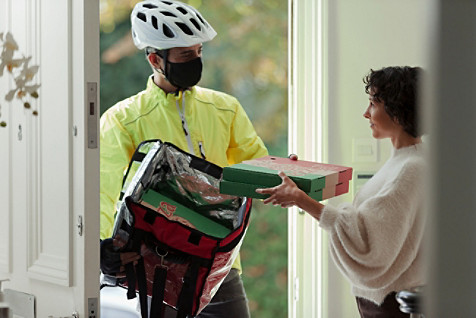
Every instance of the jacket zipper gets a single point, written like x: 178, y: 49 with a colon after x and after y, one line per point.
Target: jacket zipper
x: 184, y: 124
x: 202, y: 151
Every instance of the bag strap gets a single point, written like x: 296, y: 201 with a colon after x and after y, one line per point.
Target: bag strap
x: 136, y: 275
x: 158, y: 292
x: 199, y: 163
x: 131, y: 274
x: 185, y: 300
x: 131, y: 281
x: 142, y: 287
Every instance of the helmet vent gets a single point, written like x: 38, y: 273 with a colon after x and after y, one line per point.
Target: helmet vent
x: 149, y: 6
x: 182, y: 10
x: 168, y: 33
x: 154, y: 23
x: 142, y: 16
x: 166, y: 2
x: 200, y: 18
x: 195, y: 23
x: 184, y: 28
x: 168, y: 14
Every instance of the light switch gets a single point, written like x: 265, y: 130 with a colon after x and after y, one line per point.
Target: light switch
x: 359, y: 179
x: 365, y: 150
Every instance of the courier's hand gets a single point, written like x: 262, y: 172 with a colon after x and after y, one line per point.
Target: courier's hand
x: 293, y: 157
x: 112, y: 262
x: 286, y: 194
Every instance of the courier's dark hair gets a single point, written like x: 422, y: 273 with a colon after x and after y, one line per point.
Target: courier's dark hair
x: 397, y: 87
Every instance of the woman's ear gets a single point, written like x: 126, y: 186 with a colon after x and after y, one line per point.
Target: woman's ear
x: 396, y: 121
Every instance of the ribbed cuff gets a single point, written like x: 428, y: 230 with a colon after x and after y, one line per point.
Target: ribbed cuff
x: 328, y: 217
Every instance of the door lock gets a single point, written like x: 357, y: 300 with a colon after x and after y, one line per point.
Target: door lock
x: 79, y: 225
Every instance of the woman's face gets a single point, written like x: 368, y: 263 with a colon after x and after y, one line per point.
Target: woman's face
x: 382, y: 125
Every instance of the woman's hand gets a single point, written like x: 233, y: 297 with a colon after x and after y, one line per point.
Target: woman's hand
x: 286, y: 194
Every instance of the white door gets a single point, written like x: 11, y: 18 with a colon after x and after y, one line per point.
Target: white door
x: 49, y: 164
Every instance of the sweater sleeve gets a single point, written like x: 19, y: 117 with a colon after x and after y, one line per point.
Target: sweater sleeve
x: 374, y: 243
x: 116, y: 149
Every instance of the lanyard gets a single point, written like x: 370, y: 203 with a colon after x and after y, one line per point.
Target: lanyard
x: 184, y: 124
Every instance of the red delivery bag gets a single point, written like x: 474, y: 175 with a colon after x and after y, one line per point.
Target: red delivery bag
x: 188, y: 234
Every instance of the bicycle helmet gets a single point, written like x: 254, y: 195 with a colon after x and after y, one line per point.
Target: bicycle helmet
x: 166, y: 24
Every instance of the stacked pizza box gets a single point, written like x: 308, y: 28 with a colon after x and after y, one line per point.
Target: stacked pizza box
x: 175, y: 211
x: 320, y: 181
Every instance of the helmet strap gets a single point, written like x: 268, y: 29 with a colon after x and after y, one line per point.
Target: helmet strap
x: 166, y: 54
x: 163, y: 55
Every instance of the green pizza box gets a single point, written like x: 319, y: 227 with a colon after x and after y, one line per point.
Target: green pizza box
x: 308, y: 175
x: 178, y: 212
x: 249, y: 190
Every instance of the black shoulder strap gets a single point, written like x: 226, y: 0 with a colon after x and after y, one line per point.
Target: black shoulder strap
x: 158, y: 291
x: 185, y: 300
x: 199, y: 163
x: 131, y: 281
x: 136, y: 275
x: 142, y: 286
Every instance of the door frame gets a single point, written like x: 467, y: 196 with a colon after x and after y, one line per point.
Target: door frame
x: 307, y: 256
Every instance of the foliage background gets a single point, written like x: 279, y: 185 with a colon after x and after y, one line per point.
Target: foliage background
x: 247, y: 59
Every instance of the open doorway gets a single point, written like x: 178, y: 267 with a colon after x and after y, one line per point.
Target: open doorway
x: 333, y: 46
x: 249, y: 62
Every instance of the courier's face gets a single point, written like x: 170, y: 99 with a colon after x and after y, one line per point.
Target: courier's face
x: 184, y: 54
x: 382, y: 125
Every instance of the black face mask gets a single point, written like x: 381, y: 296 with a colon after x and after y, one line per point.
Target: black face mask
x: 184, y: 75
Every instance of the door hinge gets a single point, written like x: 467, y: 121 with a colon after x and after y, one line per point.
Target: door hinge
x: 79, y: 225
x: 296, y: 289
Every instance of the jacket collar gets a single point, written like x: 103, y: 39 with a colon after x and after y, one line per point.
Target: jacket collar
x: 157, y: 93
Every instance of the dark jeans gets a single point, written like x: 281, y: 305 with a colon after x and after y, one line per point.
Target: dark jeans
x: 229, y: 302
x: 388, y: 309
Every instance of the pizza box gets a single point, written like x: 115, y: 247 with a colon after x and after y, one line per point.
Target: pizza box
x: 308, y: 175
x: 249, y: 190
x: 180, y: 213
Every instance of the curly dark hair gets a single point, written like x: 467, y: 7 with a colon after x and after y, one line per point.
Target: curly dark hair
x: 397, y: 87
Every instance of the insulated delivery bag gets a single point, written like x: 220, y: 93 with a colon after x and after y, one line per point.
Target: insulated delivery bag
x: 188, y: 234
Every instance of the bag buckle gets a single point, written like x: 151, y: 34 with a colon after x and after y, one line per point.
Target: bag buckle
x: 162, y: 257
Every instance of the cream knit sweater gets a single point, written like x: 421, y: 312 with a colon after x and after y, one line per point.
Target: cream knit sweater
x: 376, y: 241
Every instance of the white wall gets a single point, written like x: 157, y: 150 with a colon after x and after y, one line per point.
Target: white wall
x: 451, y: 106
x: 361, y: 35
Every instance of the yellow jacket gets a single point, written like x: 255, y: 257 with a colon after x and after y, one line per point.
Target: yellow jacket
x: 218, y: 130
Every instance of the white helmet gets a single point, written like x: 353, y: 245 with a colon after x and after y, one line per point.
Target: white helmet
x: 167, y: 24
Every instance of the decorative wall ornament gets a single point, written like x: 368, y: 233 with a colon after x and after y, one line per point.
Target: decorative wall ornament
x: 21, y: 73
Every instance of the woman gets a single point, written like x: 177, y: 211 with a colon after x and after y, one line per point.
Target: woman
x: 376, y: 241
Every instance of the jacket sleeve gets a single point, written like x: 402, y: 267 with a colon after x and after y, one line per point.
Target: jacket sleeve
x: 374, y: 243
x: 245, y: 144
x: 116, y: 149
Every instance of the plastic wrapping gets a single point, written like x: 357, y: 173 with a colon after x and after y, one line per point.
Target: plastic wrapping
x: 174, y: 242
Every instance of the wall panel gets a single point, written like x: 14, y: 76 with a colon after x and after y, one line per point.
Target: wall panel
x: 5, y: 158
x: 49, y: 149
